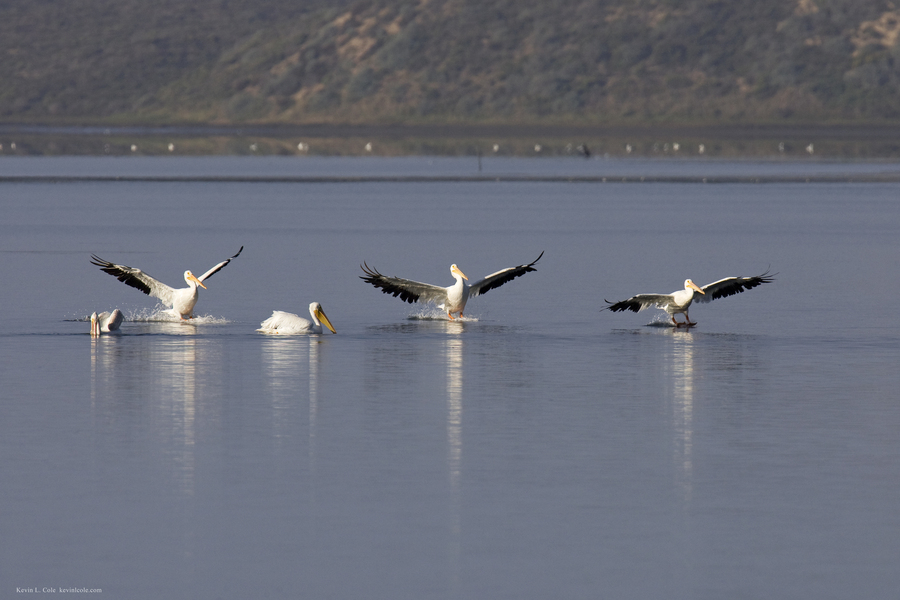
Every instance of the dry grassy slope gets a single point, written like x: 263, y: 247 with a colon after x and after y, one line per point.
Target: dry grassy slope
x: 424, y: 60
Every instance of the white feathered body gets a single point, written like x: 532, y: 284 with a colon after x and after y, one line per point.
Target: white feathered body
x: 106, y: 322
x: 285, y: 323
x: 110, y: 321
x: 457, y: 296
x: 185, y: 299
x: 288, y: 323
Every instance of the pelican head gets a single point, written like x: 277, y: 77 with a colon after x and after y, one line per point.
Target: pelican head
x: 454, y: 270
x: 95, y: 326
x: 690, y: 285
x: 315, y: 309
x: 189, y: 277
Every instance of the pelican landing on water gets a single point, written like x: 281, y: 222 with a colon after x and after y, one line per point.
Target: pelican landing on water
x: 105, y: 322
x: 181, y: 301
x: 451, y: 299
x: 680, y: 301
x: 285, y: 323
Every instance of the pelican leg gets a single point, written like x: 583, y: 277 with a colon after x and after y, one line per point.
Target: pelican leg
x: 687, y: 321
x: 450, y: 316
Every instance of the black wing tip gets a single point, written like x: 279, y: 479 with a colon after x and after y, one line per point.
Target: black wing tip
x: 752, y: 282
x: 238, y: 252
x: 510, y: 274
x: 530, y: 266
x: 97, y: 261
x: 372, y: 276
x: 766, y: 277
x: 622, y: 306
x: 370, y: 273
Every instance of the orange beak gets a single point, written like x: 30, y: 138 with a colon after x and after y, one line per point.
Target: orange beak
x: 460, y: 273
x: 193, y: 278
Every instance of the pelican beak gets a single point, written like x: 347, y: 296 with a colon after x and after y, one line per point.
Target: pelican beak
x: 320, y: 315
x: 460, y: 273
x: 694, y: 285
x: 192, y: 277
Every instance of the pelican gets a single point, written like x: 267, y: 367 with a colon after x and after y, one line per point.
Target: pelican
x: 106, y: 321
x: 452, y: 299
x: 680, y: 301
x: 181, y: 301
x: 288, y: 323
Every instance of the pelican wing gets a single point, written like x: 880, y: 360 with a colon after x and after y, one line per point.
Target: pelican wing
x: 497, y: 279
x: 640, y: 302
x: 408, y: 290
x: 285, y: 322
x: 219, y: 266
x: 731, y: 286
x: 136, y: 279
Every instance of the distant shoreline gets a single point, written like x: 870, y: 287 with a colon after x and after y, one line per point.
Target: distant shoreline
x: 810, y: 132
x: 494, y: 178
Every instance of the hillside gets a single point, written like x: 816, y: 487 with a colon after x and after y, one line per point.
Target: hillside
x: 381, y: 61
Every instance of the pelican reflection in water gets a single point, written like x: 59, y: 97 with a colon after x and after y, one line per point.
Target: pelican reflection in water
x: 453, y: 353
x: 682, y: 369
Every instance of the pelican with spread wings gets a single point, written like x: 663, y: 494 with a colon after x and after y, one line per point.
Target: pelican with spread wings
x: 680, y: 301
x: 451, y: 299
x: 181, y: 301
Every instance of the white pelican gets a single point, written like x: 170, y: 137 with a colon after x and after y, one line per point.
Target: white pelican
x: 106, y: 321
x: 452, y: 299
x: 181, y: 301
x: 680, y: 301
x: 288, y: 323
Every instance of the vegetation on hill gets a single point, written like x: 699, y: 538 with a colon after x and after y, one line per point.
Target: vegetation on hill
x: 612, y: 61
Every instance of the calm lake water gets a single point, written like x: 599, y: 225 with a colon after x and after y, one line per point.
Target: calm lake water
x: 543, y: 448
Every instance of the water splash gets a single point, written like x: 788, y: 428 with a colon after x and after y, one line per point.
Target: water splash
x: 660, y: 320
x: 166, y: 315
x: 433, y: 313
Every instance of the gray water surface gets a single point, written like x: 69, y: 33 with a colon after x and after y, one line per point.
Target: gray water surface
x: 542, y: 448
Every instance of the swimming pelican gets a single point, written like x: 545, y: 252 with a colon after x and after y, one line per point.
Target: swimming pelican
x: 680, y: 301
x: 181, y: 301
x: 452, y: 299
x: 106, y: 321
x: 288, y: 323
